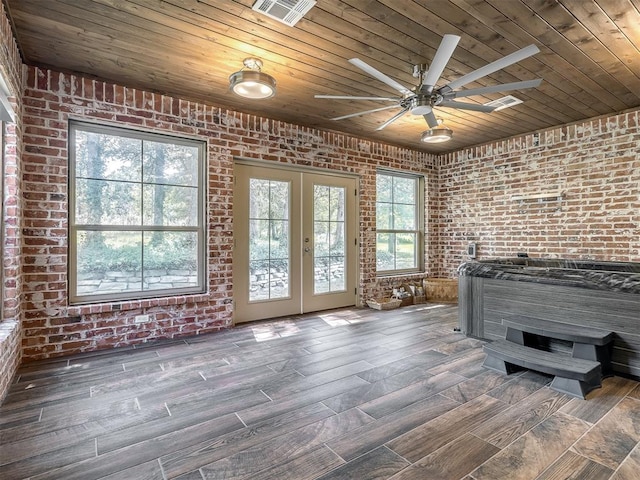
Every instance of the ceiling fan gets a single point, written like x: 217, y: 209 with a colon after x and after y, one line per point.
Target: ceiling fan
x: 421, y: 99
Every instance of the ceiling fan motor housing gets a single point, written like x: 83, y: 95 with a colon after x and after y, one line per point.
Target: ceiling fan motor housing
x: 423, y: 104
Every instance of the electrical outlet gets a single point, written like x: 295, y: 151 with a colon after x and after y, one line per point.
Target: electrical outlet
x: 141, y: 318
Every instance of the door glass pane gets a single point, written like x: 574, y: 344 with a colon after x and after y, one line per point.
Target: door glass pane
x: 268, y: 239
x: 329, y: 234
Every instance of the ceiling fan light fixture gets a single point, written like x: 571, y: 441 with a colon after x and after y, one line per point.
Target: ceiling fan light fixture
x: 437, y: 134
x: 421, y: 110
x: 252, y: 83
x: 421, y: 105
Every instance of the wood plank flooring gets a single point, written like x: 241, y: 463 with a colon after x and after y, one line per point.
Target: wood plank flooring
x: 348, y: 394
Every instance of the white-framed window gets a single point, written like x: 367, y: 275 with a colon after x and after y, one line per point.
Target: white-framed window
x: 399, y: 222
x: 136, y: 214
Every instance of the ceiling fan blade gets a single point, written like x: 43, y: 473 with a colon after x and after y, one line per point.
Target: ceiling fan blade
x: 365, y: 112
x: 439, y: 62
x: 431, y: 119
x: 467, y: 106
x: 503, y: 87
x: 493, y: 67
x: 349, y: 97
x: 380, y: 76
x: 393, y: 119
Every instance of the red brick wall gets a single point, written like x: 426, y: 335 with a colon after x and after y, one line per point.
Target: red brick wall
x: 10, y: 326
x: 54, y: 328
x: 469, y: 193
x: 595, y: 164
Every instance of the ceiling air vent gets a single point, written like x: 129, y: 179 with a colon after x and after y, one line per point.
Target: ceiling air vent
x: 285, y: 11
x: 504, y: 102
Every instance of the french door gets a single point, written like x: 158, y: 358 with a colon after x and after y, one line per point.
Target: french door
x: 295, y: 245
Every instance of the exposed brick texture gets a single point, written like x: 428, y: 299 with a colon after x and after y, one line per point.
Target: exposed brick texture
x: 595, y: 164
x: 11, y: 328
x: 51, y: 326
x: 10, y: 347
x: 469, y: 194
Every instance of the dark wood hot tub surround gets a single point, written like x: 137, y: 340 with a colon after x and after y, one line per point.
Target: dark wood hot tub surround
x: 580, y: 294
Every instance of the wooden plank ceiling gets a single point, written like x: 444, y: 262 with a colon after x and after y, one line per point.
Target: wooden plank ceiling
x: 589, y: 58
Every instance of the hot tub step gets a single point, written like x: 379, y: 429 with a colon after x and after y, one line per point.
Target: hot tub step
x: 562, y: 331
x: 588, y: 343
x: 574, y: 376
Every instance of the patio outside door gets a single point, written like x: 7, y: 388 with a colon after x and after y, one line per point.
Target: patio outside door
x: 295, y: 242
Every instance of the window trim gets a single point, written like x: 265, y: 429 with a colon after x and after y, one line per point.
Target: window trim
x: 73, y: 228
x: 420, y: 223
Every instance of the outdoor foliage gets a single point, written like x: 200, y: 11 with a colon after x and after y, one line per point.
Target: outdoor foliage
x: 396, y: 222
x: 269, y: 235
x: 125, y: 254
x: 128, y: 191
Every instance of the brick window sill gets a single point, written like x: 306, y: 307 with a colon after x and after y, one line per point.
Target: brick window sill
x: 106, y: 307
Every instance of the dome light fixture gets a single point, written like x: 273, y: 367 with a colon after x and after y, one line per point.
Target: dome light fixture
x: 252, y: 83
x: 438, y: 134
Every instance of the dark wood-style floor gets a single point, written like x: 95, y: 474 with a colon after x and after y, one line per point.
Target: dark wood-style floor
x: 351, y: 394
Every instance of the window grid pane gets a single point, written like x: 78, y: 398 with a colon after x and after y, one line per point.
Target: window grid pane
x: 398, y: 225
x: 135, y: 213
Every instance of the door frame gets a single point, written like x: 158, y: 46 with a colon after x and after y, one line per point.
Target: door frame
x: 315, y: 171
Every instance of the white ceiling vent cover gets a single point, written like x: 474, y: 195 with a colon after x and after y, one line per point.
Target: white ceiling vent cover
x: 285, y: 11
x: 504, y: 102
